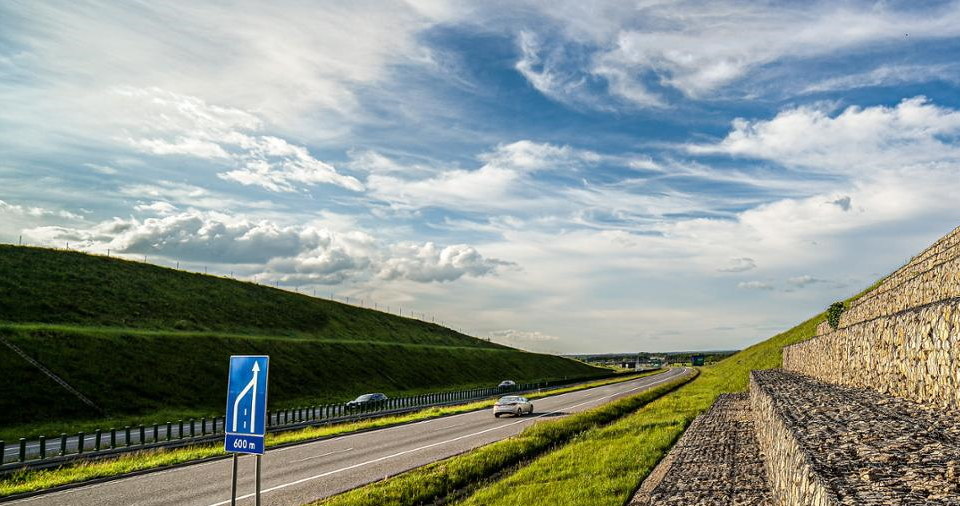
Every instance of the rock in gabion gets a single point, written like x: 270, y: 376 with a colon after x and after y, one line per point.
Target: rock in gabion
x: 914, y: 354
x: 716, y: 462
x: 833, y: 445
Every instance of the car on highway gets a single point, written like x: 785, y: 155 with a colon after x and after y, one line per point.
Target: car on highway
x: 367, y: 401
x: 507, y: 384
x: 512, y: 405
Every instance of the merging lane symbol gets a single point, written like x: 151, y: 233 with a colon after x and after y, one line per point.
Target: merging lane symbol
x: 246, y: 404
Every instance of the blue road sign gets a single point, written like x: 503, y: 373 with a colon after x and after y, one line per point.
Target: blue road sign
x: 246, y: 404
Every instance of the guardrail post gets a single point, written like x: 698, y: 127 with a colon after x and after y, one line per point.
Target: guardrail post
x: 269, y: 422
x: 43, y: 447
x: 63, y: 444
x: 193, y: 430
x: 156, y: 432
x: 3, y: 451
x: 143, y: 435
x: 23, y: 449
x: 203, y: 426
x: 180, y: 428
x: 80, y: 442
x: 113, y: 438
x: 169, y: 430
x: 126, y: 435
x: 97, y: 438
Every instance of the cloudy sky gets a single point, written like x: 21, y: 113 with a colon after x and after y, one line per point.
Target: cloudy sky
x: 561, y: 176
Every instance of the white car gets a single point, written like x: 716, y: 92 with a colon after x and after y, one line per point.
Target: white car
x: 512, y: 405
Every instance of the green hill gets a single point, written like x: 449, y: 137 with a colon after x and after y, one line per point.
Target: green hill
x: 143, y: 341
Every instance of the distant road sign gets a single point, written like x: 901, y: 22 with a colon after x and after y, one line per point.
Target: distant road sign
x: 246, y: 404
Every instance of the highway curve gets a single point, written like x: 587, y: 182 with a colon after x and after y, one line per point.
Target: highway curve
x: 297, y: 474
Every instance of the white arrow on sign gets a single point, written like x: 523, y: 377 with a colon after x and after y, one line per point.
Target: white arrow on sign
x: 253, y: 404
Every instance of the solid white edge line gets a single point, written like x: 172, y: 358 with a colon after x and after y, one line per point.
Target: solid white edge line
x: 405, y: 452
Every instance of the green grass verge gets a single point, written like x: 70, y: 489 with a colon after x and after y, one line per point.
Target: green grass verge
x: 30, y: 481
x: 436, y: 481
x: 147, y: 376
x: 68, y: 287
x: 604, y: 466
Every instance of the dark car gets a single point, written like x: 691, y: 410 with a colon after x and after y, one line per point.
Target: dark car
x: 367, y: 401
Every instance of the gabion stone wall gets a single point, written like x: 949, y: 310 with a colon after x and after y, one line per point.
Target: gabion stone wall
x: 941, y: 281
x: 902, y: 338
x: 914, y: 354
x: 717, y: 461
x: 833, y: 445
x: 931, y: 276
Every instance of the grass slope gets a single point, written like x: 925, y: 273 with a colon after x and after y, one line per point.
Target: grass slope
x: 606, y: 465
x: 40, y: 285
x: 147, y: 343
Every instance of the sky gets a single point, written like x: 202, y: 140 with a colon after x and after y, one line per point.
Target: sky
x: 560, y: 176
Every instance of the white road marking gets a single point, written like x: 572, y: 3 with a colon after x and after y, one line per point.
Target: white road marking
x: 322, y: 455
x: 405, y: 452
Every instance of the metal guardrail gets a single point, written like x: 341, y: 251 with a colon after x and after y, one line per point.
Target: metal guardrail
x: 48, y: 452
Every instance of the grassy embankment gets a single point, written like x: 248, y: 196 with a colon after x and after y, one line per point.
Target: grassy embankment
x: 606, y: 465
x: 29, y: 481
x: 149, y: 344
x: 600, y: 466
x: 436, y: 482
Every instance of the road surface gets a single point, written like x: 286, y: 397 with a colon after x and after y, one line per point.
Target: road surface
x: 297, y: 474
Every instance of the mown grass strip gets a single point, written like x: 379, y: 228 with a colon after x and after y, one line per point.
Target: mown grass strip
x: 33, y: 480
x: 605, y: 465
x: 440, y: 479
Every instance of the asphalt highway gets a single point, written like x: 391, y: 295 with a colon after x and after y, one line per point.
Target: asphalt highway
x: 297, y: 474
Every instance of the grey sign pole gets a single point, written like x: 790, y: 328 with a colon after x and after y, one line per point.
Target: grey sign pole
x: 233, y: 489
x: 258, y: 480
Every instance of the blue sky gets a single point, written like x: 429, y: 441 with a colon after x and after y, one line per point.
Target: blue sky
x: 558, y: 176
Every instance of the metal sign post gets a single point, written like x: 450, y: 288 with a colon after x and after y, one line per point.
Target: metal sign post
x: 245, y: 423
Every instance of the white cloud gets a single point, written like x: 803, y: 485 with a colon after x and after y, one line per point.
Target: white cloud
x: 645, y: 51
x: 524, y: 339
x: 502, y: 182
x: 803, y: 281
x: 158, y: 207
x: 101, y: 169
x: 549, y: 72
x: 741, y: 264
x: 754, y: 285
x: 427, y: 262
x: 302, y: 254
x: 856, y: 141
x: 176, y: 124
x: 887, y: 75
x: 36, y: 211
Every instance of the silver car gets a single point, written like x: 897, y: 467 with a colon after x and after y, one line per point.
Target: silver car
x: 512, y: 405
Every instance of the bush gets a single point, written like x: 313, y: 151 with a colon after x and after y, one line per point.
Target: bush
x: 833, y: 314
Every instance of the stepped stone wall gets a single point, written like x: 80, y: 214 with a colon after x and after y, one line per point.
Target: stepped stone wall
x: 717, y: 462
x: 932, y: 276
x: 903, y: 338
x: 834, y: 445
x: 943, y: 249
x: 914, y: 354
x: 788, y: 466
